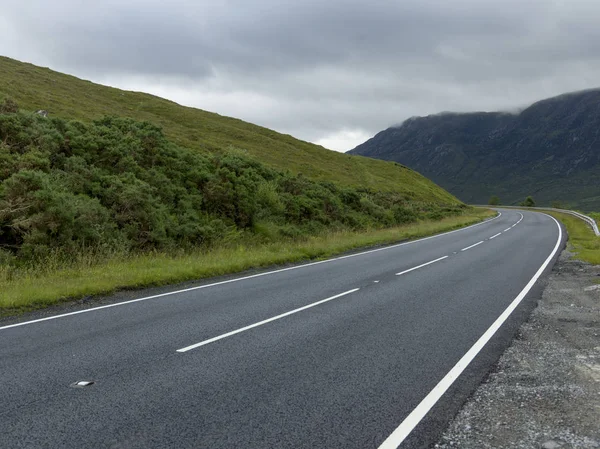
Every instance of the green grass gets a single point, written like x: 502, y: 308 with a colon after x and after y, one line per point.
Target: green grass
x: 68, y: 97
x: 582, y: 240
x: 24, y: 290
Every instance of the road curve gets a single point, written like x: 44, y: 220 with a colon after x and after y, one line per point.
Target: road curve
x: 374, y: 350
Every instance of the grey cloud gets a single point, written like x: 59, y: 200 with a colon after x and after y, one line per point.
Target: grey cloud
x: 313, y: 68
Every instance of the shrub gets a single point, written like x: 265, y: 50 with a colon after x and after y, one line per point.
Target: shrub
x: 494, y: 201
x: 528, y: 202
x: 119, y: 185
x: 9, y: 106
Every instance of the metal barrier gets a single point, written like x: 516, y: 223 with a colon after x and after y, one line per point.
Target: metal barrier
x: 589, y: 220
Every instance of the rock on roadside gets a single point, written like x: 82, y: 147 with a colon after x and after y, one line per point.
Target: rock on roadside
x: 545, y: 390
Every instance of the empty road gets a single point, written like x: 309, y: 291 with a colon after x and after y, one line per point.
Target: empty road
x: 372, y: 350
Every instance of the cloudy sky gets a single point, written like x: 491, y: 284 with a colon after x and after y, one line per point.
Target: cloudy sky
x: 333, y: 72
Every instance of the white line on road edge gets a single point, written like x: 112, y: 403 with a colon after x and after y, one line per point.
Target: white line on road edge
x: 260, y: 323
x: 421, y: 266
x: 122, y: 303
x: 472, y: 246
x: 494, y: 236
x: 507, y: 229
x: 415, y: 417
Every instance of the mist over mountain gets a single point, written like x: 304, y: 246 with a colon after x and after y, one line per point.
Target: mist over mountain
x: 550, y: 150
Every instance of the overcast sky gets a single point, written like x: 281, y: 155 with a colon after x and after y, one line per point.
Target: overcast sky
x: 333, y: 72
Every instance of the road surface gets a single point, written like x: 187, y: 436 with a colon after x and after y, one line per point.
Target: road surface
x: 371, y: 350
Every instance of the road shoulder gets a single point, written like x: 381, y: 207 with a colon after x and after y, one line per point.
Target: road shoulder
x: 545, y: 390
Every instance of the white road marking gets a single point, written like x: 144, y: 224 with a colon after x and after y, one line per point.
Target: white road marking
x: 520, y: 220
x: 472, y: 246
x: 93, y: 309
x: 420, y: 266
x: 415, y: 417
x: 494, y: 236
x: 260, y: 323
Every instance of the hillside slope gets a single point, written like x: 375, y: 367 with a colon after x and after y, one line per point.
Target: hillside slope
x: 551, y: 150
x: 68, y: 97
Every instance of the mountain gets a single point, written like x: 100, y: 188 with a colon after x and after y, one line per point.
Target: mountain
x: 67, y: 97
x: 550, y: 150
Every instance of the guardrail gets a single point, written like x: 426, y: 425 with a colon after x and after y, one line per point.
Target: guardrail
x: 589, y: 220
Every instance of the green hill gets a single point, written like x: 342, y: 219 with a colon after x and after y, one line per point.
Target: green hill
x: 119, y: 189
x: 69, y: 97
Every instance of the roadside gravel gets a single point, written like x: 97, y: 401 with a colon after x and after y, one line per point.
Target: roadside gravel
x: 545, y: 390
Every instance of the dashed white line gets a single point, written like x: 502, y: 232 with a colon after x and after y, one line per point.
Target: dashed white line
x: 420, y: 266
x: 260, y: 323
x: 472, y: 246
x: 415, y: 417
x: 494, y: 236
x: 520, y: 220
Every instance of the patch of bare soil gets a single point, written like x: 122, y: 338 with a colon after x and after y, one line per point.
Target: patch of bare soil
x: 545, y: 390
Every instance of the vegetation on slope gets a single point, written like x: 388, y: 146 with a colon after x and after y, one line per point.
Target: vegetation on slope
x: 120, y: 189
x: 89, y: 208
x: 68, y: 97
x: 120, y: 185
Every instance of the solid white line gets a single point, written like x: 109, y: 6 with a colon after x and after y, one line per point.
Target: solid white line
x: 494, y: 236
x: 421, y: 266
x: 93, y: 309
x: 260, y: 323
x: 415, y: 417
x: 507, y: 229
x: 472, y: 246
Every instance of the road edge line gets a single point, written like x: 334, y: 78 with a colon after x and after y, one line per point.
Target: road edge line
x: 416, y: 416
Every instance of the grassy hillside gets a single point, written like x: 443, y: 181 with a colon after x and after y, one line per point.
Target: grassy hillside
x: 118, y: 185
x: 119, y: 190
x: 68, y: 97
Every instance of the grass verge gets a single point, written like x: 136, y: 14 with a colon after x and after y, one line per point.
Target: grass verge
x: 582, y: 240
x: 26, y: 290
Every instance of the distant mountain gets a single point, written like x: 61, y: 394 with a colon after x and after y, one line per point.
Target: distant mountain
x: 551, y: 151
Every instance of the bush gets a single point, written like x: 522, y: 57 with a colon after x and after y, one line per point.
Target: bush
x: 494, y: 201
x: 9, y: 106
x: 528, y: 202
x: 119, y: 185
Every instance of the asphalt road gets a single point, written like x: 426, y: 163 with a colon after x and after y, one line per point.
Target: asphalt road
x: 345, y: 353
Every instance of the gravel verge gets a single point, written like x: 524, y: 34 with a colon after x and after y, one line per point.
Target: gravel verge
x: 545, y: 390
